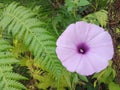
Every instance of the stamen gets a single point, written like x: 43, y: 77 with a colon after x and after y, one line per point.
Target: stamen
x: 81, y: 50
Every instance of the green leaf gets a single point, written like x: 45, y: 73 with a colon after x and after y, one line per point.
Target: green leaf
x: 83, y: 2
x: 75, y: 78
x: 83, y: 78
x: 70, y: 5
x: 114, y: 86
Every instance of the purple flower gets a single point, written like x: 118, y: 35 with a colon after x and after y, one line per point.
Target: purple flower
x: 84, y: 48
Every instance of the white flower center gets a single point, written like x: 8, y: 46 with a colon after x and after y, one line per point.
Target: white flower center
x: 81, y: 50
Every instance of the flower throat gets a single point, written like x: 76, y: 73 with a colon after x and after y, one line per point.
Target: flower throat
x: 82, y: 48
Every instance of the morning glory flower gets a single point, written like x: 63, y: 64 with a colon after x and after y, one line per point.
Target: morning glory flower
x: 84, y: 48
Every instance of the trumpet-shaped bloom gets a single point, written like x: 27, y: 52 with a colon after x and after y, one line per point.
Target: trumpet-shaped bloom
x: 84, y: 48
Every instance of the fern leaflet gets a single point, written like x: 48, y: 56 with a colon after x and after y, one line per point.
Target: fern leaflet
x: 8, y: 79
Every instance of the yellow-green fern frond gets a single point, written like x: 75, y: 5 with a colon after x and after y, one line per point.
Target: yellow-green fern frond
x: 99, y: 18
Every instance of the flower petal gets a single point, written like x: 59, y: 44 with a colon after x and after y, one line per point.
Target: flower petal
x: 82, y: 29
x: 102, y: 38
x: 84, y: 67
x: 99, y: 63
x: 104, y: 51
x: 102, y: 45
x: 72, y: 62
x: 64, y: 53
x: 68, y: 38
x: 94, y: 30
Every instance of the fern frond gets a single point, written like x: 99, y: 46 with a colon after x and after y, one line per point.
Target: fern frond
x: 6, y: 57
x: 21, y: 22
x: 14, y: 76
x: 15, y: 84
x: 8, y: 79
x: 99, y: 18
x: 4, y: 45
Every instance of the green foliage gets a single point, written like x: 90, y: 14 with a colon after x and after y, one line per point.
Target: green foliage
x: 8, y: 79
x: 114, y: 86
x: 106, y: 76
x: 74, y: 4
x: 99, y: 4
x: 55, y: 18
x: 83, y: 78
x: 17, y: 20
x: 117, y: 30
x: 20, y: 25
x: 46, y: 80
x: 99, y: 18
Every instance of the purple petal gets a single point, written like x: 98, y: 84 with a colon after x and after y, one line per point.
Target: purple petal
x: 65, y: 53
x: 103, y: 37
x: 94, y: 30
x: 102, y: 45
x: 106, y: 52
x: 99, y: 63
x: 82, y: 29
x: 68, y: 38
x: 85, y: 67
x: 72, y: 62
